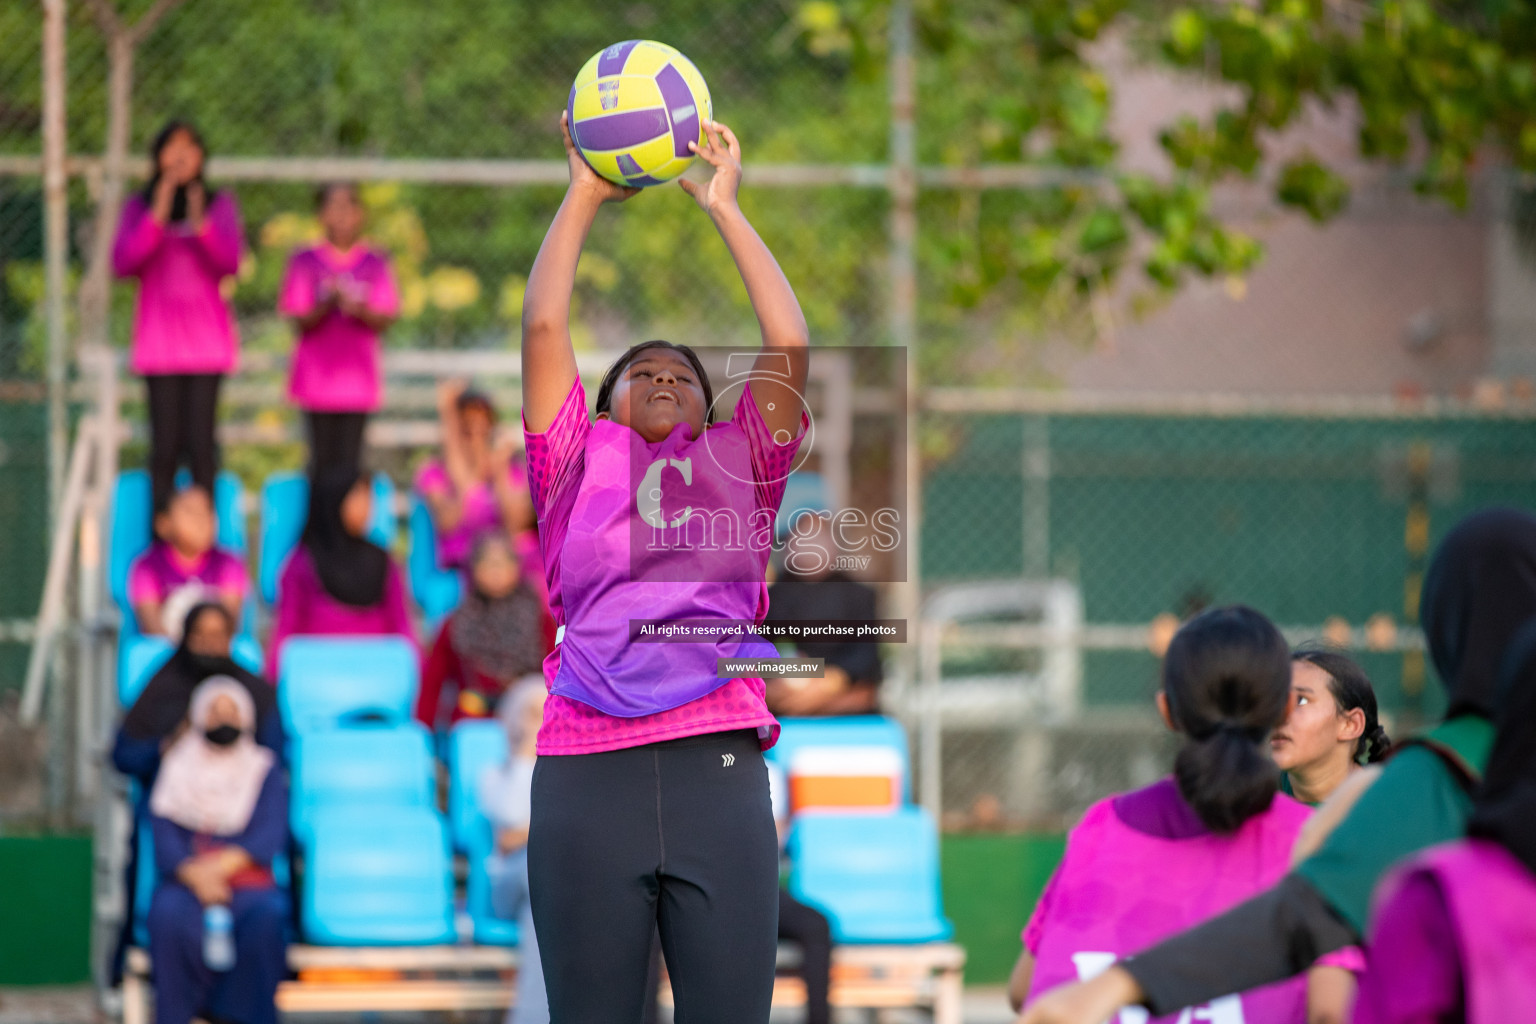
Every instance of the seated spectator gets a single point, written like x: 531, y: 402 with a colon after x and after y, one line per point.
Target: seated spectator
x: 477, y: 486
x: 505, y: 796
x: 808, y: 588
x: 337, y: 582
x: 184, y: 556
x: 1451, y: 935
x: 500, y: 634
x: 341, y: 296
x: 800, y: 924
x: 1332, y: 729
x: 160, y: 712
x: 219, y: 813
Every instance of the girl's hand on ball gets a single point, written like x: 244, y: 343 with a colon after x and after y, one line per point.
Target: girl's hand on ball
x: 582, y: 174
x: 722, y: 152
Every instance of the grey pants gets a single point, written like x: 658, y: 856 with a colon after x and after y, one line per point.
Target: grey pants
x: 509, y: 899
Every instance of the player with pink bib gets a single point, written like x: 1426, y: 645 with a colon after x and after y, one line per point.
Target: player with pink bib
x: 650, y: 797
x: 341, y: 296
x: 1144, y: 865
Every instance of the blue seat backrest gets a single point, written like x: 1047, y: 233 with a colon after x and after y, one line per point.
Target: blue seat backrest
x: 804, y: 491
x: 362, y: 767
x: 876, y: 876
x: 378, y: 877
x: 797, y: 734
x: 473, y: 746
x: 140, y: 657
x: 133, y: 527
x: 285, y: 506
x: 324, y: 680
x: 437, y: 590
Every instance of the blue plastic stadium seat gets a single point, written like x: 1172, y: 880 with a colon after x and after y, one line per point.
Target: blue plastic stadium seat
x: 489, y: 929
x: 437, y: 590
x: 378, y: 877
x: 804, y: 491
x: 285, y: 506
x: 797, y: 734
x: 324, y: 680
x: 363, y: 767
x: 132, y: 529
x: 140, y: 657
x: 473, y: 745
x: 876, y: 876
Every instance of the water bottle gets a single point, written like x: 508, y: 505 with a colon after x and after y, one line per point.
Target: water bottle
x: 218, y: 937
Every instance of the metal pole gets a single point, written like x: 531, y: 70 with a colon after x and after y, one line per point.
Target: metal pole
x: 1037, y: 498
x: 55, y: 241
x: 903, y: 186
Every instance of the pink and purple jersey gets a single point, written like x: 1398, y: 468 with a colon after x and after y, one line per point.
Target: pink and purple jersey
x: 1122, y: 888
x: 630, y: 530
x: 479, y: 510
x: 337, y: 365
x: 182, y: 323
x: 161, y: 571
x: 1453, y: 937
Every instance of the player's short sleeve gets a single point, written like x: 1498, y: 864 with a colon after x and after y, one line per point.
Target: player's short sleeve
x: 557, y: 456
x: 432, y: 480
x: 296, y: 297
x: 384, y: 294
x: 232, y: 576
x: 1351, y: 958
x: 771, y: 460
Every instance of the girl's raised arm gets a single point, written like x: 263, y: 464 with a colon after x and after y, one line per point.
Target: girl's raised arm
x: 549, y: 363
x: 786, y: 340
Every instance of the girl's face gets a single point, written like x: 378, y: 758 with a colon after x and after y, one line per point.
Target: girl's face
x: 1315, y: 731
x: 187, y: 524
x: 210, y: 636
x: 656, y: 391
x: 342, y: 216
x: 496, y: 571
x: 223, y: 711
x: 357, y: 508
x: 181, y: 158
x: 476, y: 424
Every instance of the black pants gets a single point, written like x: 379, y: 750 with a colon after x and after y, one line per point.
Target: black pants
x: 675, y: 836
x: 183, y: 410
x: 335, y: 439
x: 809, y: 929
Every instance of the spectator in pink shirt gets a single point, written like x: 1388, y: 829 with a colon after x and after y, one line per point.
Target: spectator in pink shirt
x: 341, y: 296
x: 180, y: 239
x: 184, y: 565
x: 337, y: 582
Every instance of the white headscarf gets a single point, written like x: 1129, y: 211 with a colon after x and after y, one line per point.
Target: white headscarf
x: 207, y: 788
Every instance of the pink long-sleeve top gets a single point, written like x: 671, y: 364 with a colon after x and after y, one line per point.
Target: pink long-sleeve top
x: 183, y: 323
x: 305, y: 608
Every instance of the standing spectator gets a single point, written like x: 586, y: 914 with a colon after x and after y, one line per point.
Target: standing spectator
x: 184, y: 557
x: 505, y: 796
x: 219, y: 810
x: 181, y: 239
x: 809, y: 589
x: 477, y: 485
x: 341, y: 296
x: 500, y: 634
x: 337, y: 582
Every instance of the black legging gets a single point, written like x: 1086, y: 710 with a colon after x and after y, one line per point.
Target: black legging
x: 335, y: 439
x: 183, y: 412
x: 809, y: 929
x: 676, y: 835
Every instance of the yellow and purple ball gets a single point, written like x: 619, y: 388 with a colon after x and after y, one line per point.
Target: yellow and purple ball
x: 634, y: 108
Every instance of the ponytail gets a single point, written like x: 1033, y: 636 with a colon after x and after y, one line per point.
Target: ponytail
x: 1226, y: 677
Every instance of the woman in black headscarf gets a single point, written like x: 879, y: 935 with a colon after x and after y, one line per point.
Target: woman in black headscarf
x: 338, y: 582
x: 161, y: 709
x: 1480, y: 589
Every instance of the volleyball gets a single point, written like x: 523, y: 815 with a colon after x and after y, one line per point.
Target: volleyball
x: 634, y: 107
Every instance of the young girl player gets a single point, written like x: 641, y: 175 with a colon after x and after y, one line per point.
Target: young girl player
x: 650, y: 797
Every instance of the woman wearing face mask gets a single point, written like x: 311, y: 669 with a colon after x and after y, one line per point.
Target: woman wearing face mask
x: 1332, y: 729
x: 181, y: 238
x: 338, y: 582
x: 219, y: 810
